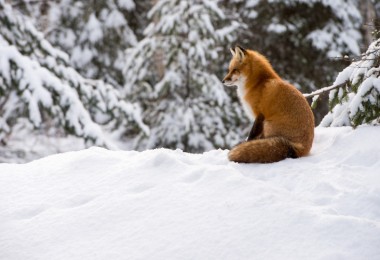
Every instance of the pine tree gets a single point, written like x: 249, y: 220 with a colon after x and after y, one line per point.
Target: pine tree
x: 300, y: 38
x: 37, y: 83
x: 357, y: 101
x: 171, y: 73
x: 95, y: 34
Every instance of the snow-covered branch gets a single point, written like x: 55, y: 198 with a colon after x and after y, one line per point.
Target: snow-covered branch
x: 324, y: 90
x: 40, y: 84
x: 359, y: 104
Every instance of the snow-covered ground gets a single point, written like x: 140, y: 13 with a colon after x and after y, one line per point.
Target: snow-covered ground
x: 163, y: 204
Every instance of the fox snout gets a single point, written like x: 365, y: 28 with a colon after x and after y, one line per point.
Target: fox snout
x: 226, y: 79
x: 230, y: 79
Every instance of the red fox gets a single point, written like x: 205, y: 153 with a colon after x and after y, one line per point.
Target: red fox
x: 284, y: 122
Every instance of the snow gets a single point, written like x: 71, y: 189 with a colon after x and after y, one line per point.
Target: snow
x: 38, y: 144
x: 95, y: 36
x: 42, y: 87
x: 127, y: 4
x: 177, y: 66
x: 93, y: 30
x: 167, y: 204
x: 80, y: 56
x: 277, y: 28
x: 363, y: 83
x: 332, y: 37
x: 115, y: 19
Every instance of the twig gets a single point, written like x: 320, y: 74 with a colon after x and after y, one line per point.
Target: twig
x: 25, y: 3
x: 357, y: 57
x: 324, y: 90
x: 372, y: 25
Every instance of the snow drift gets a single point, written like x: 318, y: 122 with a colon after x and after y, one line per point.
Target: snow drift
x: 164, y: 204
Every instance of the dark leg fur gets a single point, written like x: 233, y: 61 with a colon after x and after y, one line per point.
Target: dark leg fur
x: 257, y: 128
x: 292, y: 153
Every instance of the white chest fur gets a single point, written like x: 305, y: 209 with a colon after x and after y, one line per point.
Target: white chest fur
x: 241, y: 91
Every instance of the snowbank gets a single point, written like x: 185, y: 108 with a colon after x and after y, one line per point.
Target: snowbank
x: 163, y: 204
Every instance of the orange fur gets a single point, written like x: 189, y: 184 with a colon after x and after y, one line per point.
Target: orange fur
x: 288, y: 125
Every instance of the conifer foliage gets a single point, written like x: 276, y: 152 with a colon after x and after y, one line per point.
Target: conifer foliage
x: 36, y: 83
x: 301, y: 38
x: 171, y: 73
x: 95, y: 34
x: 357, y: 102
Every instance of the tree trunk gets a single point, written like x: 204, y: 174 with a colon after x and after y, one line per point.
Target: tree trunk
x: 159, y: 53
x: 367, y: 9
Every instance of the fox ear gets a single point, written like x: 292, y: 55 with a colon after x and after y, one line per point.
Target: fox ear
x: 242, y: 49
x: 232, y: 52
x: 240, y: 53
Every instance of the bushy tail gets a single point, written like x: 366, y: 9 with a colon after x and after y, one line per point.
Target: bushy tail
x: 266, y: 150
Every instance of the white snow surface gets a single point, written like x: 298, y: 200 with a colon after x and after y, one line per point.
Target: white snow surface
x: 165, y: 204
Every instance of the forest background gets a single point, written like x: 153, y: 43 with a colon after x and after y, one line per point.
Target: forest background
x: 145, y: 74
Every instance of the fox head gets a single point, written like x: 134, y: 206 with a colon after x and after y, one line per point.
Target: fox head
x: 236, y: 74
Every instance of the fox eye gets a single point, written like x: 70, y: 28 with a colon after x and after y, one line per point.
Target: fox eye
x: 234, y: 70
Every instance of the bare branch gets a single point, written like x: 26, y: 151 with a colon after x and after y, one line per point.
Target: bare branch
x: 325, y: 90
x: 15, y: 4
x: 361, y: 57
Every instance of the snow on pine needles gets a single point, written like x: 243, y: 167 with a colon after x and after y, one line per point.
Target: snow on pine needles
x: 358, y: 101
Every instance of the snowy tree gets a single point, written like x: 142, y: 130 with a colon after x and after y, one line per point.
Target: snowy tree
x: 37, y: 11
x: 36, y: 82
x: 357, y: 100
x: 95, y: 34
x: 171, y: 73
x: 301, y: 37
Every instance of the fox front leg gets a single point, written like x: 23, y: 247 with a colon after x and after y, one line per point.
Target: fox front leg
x: 257, y: 128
